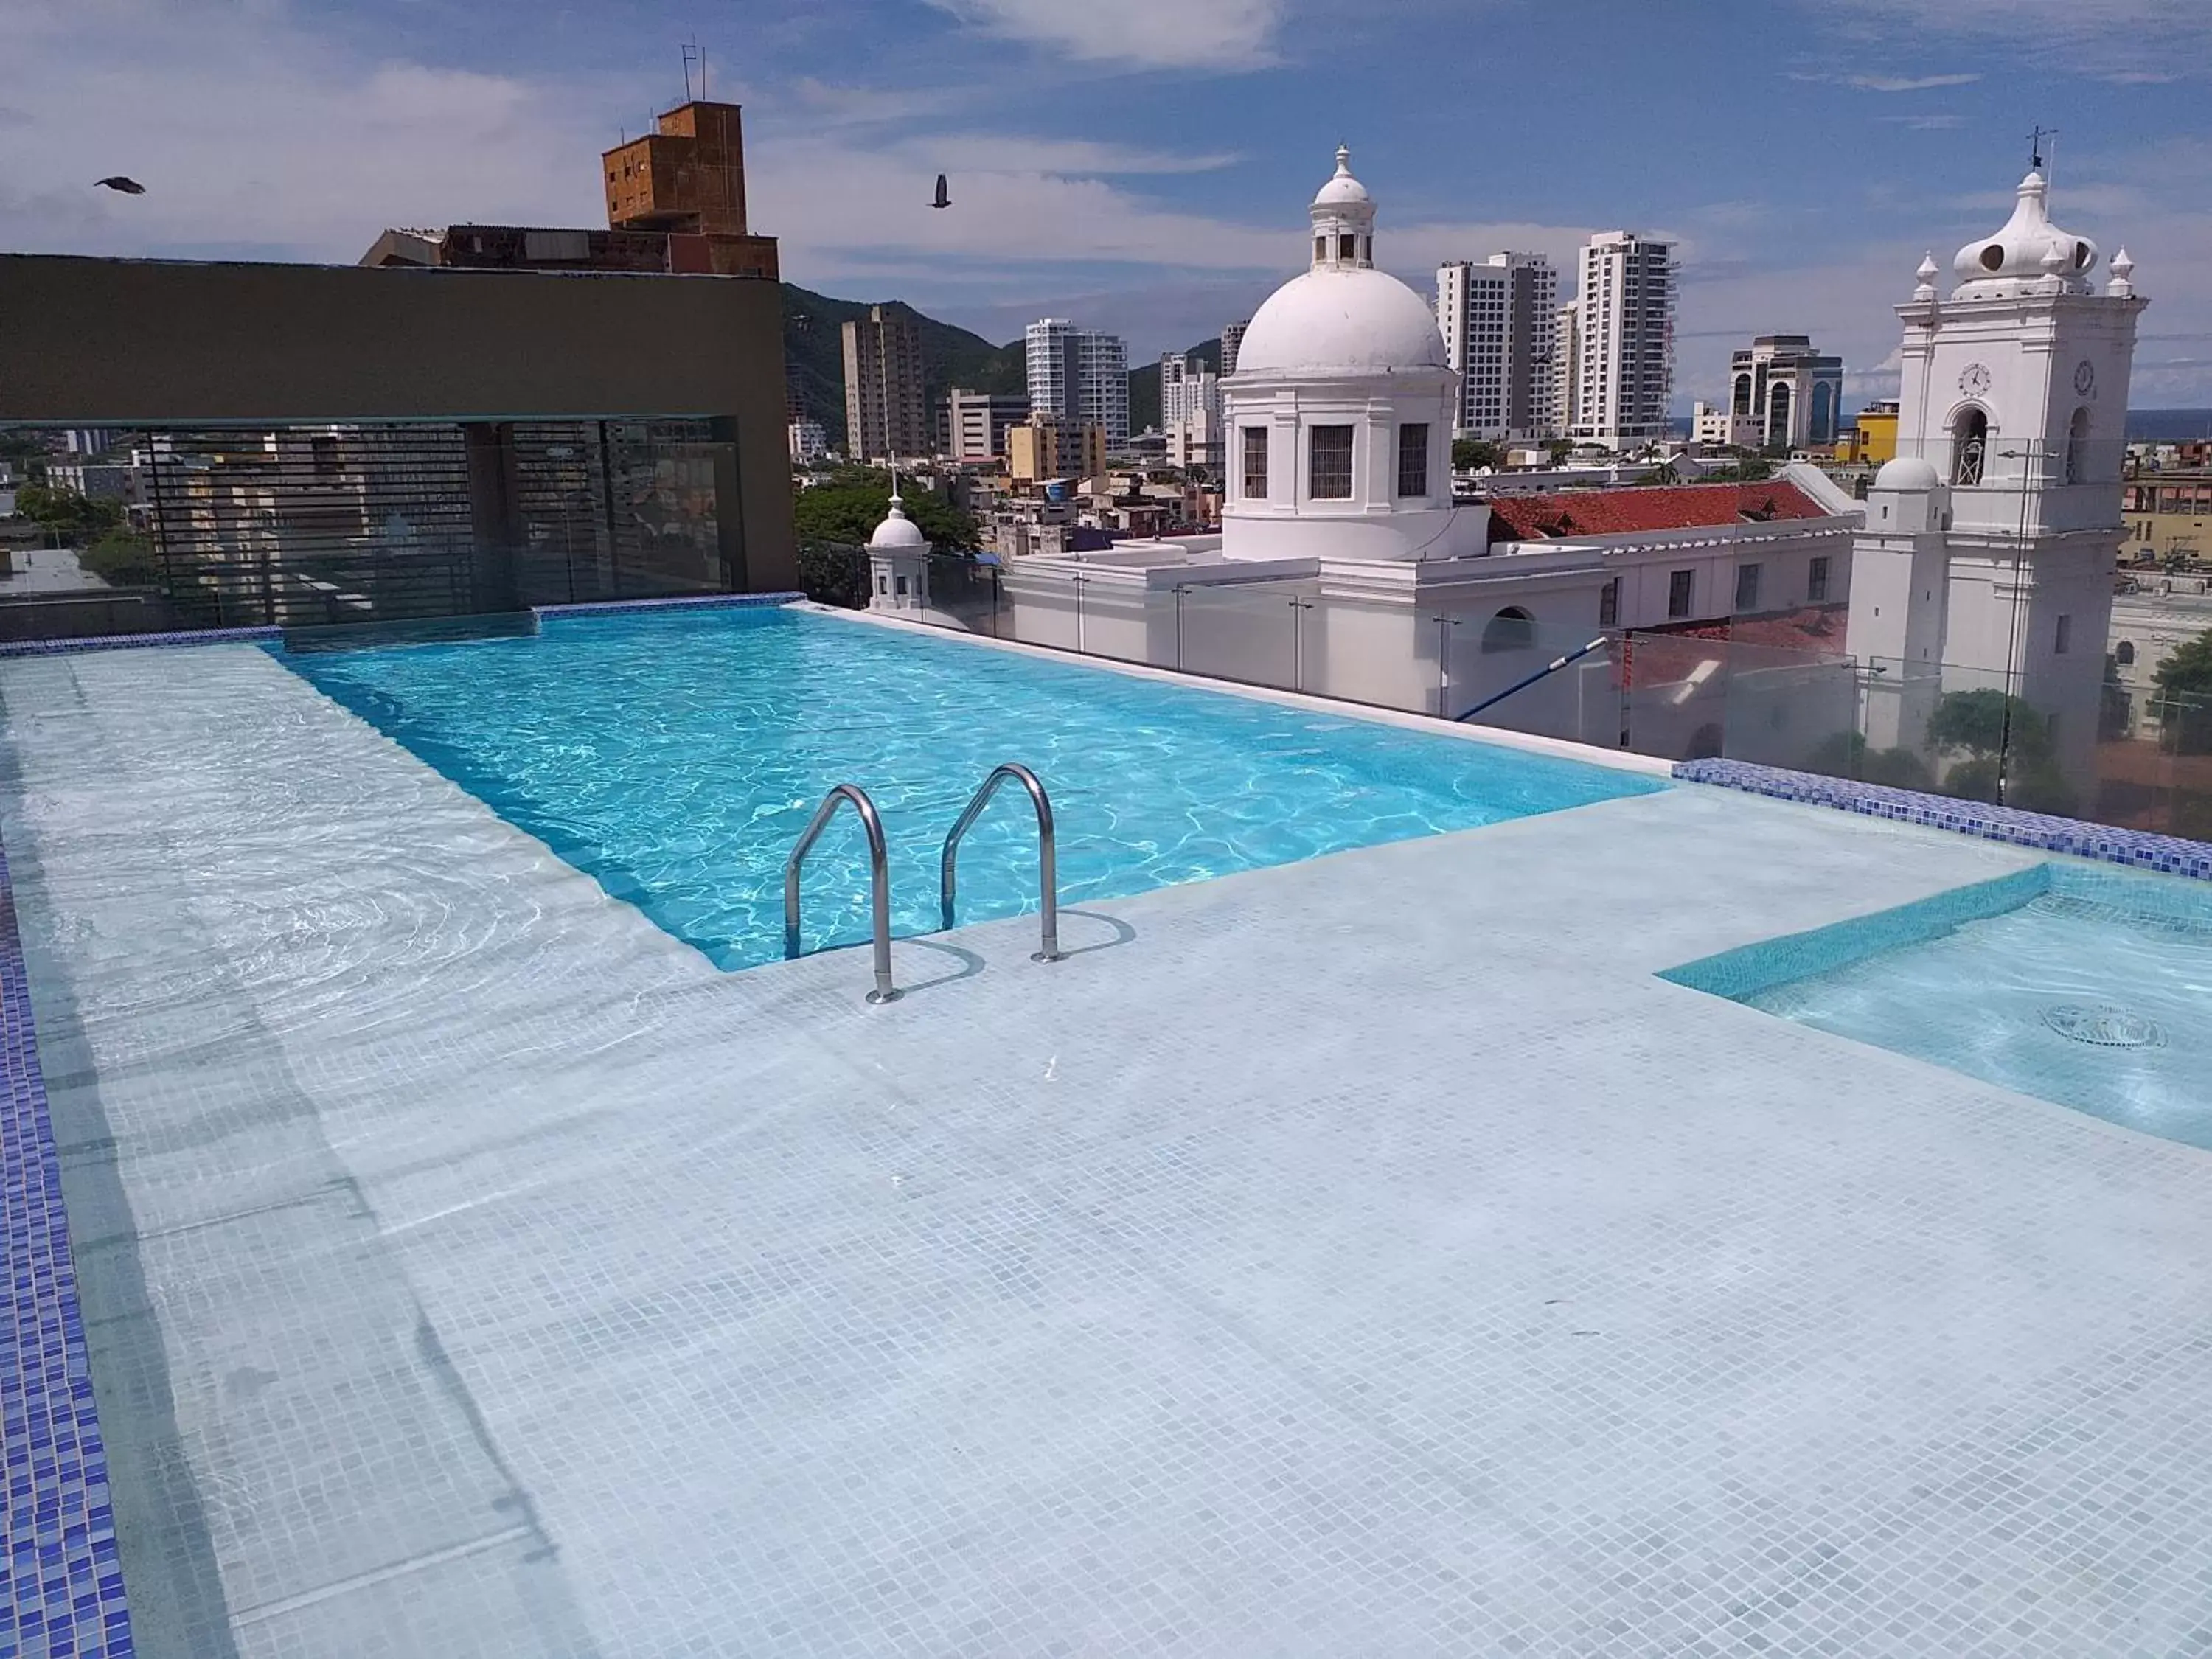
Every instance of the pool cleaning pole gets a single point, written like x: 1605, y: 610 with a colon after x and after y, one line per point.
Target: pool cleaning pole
x: 1551, y: 667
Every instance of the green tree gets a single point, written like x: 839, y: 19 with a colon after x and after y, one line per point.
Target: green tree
x: 122, y: 558
x: 1471, y: 454
x: 1748, y: 469
x: 2184, y: 702
x: 855, y: 499
x: 1845, y: 755
x: 68, y: 516
x: 26, y: 450
x: 2008, y: 754
x: 1559, y: 449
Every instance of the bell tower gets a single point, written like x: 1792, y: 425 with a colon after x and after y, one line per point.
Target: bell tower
x: 1987, y: 557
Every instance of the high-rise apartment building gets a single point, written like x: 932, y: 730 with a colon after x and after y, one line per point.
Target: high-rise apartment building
x: 1044, y: 447
x: 809, y: 442
x: 1232, y: 341
x: 1784, y: 392
x: 885, y: 414
x: 1566, y: 366
x: 1626, y: 338
x: 1190, y: 410
x: 1080, y: 376
x: 1500, y: 320
x: 976, y: 423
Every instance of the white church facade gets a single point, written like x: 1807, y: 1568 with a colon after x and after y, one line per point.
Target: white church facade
x: 1988, y: 554
x: 1343, y: 563
x: 1982, y: 560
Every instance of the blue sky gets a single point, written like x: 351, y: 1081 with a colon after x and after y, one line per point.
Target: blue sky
x: 1143, y: 165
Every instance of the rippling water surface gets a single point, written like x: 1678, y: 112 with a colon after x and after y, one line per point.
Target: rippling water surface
x: 676, y: 756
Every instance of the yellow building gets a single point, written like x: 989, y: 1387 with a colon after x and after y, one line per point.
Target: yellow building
x: 2168, y: 512
x: 1874, y: 440
x: 1042, y: 448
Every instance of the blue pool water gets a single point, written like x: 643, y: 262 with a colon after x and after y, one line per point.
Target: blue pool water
x: 2087, y: 987
x: 676, y: 756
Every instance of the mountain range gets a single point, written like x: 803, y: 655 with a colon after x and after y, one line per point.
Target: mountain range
x: 814, y: 360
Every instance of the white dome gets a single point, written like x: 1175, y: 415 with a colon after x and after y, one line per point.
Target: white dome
x: 1907, y: 473
x: 1362, y: 321
x: 898, y: 531
x: 2029, y: 249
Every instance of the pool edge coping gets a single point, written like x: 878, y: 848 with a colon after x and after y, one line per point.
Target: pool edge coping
x: 259, y: 635
x: 1434, y: 725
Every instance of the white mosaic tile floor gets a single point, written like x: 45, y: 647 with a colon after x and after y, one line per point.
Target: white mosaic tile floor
x: 1365, y: 1256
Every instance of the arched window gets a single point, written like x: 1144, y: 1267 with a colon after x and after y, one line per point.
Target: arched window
x: 1511, y: 629
x: 1743, y: 394
x: 2125, y: 653
x: 1778, y: 415
x: 1970, y: 445
x: 1822, y: 427
x: 2077, y: 448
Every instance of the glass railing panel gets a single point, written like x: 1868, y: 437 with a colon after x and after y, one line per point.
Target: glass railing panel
x: 1039, y: 609
x: 1500, y: 671
x: 960, y: 593
x: 1370, y: 652
x: 1248, y: 632
x: 1791, y: 709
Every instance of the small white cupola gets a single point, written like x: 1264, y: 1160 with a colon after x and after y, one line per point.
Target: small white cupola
x: 2030, y: 254
x: 897, y: 533
x: 1343, y: 215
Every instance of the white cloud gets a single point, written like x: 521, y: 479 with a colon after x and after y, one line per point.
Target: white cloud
x: 251, y: 134
x: 2126, y: 42
x: 977, y: 152
x: 1216, y: 35
x: 1899, y: 84
x: 1925, y: 123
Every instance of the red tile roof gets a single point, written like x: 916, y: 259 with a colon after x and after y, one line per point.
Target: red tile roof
x: 1578, y: 512
x: 1809, y: 628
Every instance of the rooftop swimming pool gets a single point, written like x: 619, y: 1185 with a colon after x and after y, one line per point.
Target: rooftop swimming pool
x: 676, y: 756
x: 2083, y: 986
x: 1367, y: 1254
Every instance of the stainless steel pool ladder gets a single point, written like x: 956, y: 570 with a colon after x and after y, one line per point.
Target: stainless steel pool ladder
x: 1048, y: 867
x: 880, y: 880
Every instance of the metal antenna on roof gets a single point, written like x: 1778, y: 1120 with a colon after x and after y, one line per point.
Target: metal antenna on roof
x: 2039, y: 148
x: 691, y: 51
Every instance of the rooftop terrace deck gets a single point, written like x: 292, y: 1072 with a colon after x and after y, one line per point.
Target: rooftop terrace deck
x: 1368, y: 1256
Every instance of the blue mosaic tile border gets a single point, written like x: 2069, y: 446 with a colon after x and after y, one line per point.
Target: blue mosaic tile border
x: 61, y: 1585
x: 697, y: 602
x: 126, y: 641
x: 2134, y: 848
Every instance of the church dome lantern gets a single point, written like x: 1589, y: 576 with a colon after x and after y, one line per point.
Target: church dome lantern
x: 1343, y: 215
x: 1343, y: 316
x: 2027, y: 249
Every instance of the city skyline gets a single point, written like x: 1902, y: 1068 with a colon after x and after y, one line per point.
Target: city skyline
x: 1070, y: 197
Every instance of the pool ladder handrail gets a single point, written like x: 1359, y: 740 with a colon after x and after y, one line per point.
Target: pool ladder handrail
x: 1048, y: 862
x: 879, y: 872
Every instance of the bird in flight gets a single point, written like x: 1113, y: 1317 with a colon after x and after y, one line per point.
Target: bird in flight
x: 943, y: 200
x: 121, y: 186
